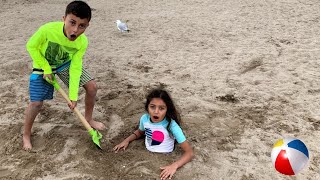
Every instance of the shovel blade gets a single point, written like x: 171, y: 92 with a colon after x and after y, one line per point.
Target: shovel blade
x: 96, y: 136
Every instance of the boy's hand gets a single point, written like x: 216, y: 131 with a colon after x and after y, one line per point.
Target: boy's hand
x: 49, y: 76
x: 168, y: 171
x: 72, y: 105
x: 123, y: 145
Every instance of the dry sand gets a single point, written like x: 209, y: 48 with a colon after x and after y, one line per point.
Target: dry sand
x: 244, y: 73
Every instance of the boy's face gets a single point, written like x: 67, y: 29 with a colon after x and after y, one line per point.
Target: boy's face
x: 157, y: 109
x: 74, y: 26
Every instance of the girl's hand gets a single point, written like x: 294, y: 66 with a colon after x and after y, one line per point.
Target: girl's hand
x: 123, y: 145
x: 168, y: 171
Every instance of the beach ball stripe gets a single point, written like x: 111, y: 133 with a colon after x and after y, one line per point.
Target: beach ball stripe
x: 289, y: 156
x: 299, y: 145
x: 278, y: 143
x: 282, y: 164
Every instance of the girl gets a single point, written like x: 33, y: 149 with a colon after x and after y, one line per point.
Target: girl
x: 161, y: 126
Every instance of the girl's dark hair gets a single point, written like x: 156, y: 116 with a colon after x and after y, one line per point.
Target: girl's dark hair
x: 172, y: 113
x: 79, y: 9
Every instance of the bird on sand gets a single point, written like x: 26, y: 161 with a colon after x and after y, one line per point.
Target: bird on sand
x: 122, y: 26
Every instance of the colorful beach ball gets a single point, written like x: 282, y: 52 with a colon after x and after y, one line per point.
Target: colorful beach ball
x: 289, y: 156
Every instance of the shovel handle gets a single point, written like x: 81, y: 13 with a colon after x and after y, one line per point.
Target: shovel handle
x: 80, y: 116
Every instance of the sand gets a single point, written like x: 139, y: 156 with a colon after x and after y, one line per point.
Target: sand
x: 243, y: 74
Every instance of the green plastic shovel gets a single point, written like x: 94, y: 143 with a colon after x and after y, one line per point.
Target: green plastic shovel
x: 96, y: 135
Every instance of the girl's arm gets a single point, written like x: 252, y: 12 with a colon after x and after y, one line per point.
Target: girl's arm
x: 124, y: 144
x: 168, y: 171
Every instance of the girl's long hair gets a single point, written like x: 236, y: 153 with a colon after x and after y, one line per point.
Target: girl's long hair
x: 172, y: 113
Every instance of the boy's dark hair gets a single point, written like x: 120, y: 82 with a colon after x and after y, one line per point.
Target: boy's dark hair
x: 79, y: 9
x: 172, y: 113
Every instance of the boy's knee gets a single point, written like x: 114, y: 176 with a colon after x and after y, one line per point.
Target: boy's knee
x: 91, y: 87
x: 36, y: 105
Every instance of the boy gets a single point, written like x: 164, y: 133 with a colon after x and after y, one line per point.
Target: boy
x: 58, y: 48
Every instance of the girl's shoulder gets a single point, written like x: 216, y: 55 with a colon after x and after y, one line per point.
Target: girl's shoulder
x: 174, y: 123
x: 174, y: 126
x: 145, y: 117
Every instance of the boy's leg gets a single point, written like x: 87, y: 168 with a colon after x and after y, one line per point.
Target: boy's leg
x: 31, y: 113
x: 91, y: 91
x: 90, y: 86
x: 39, y: 91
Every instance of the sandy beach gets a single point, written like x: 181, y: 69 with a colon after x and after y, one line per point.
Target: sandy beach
x: 243, y: 73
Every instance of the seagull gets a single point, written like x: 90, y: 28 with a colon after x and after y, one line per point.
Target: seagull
x: 122, y: 26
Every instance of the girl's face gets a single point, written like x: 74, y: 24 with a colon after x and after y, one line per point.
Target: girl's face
x: 157, y: 110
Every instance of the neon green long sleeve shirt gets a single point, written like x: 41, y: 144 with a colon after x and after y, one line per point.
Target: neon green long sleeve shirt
x: 50, y: 48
